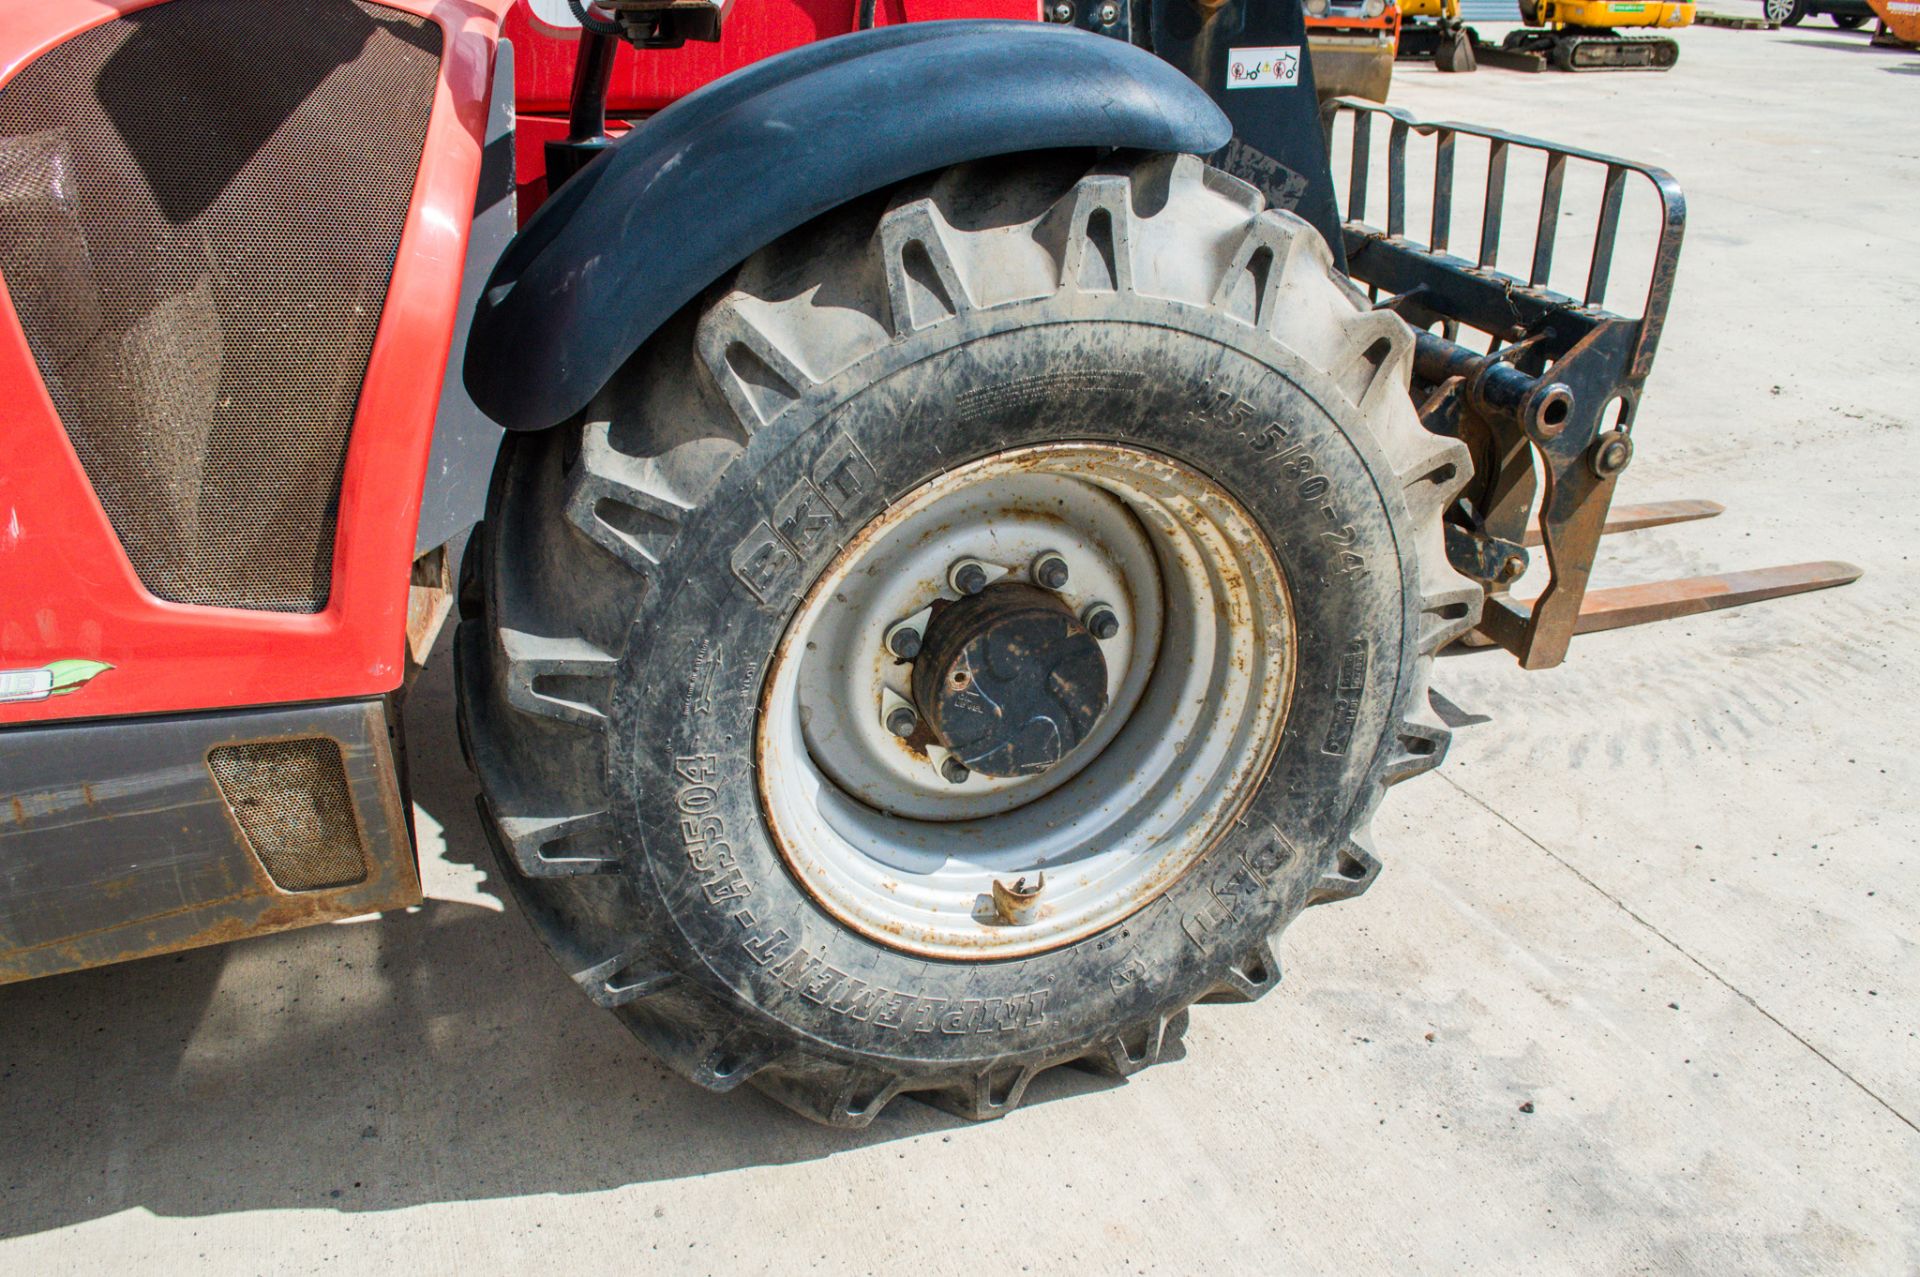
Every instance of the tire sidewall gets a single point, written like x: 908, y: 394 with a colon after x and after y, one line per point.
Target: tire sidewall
x: 1187, y: 383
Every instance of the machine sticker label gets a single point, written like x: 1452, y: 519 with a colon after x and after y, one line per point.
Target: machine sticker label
x: 1281, y: 185
x: 56, y: 679
x: 1274, y: 67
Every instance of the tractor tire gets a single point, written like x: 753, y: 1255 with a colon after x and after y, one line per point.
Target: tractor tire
x: 1529, y: 13
x: 683, y: 694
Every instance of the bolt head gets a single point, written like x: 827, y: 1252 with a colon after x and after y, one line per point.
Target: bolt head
x: 1101, y: 622
x: 1108, y: 13
x: 1513, y: 567
x: 902, y: 721
x: 904, y: 642
x: 970, y: 578
x: 1063, y: 13
x: 1050, y: 572
x: 1611, y: 453
x: 954, y: 771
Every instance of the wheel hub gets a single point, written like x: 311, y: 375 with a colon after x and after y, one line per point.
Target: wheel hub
x: 1009, y: 680
x: 1024, y: 700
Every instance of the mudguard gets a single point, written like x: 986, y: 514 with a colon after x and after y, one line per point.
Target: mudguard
x: 724, y: 171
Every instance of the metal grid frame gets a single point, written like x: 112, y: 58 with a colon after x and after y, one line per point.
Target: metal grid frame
x: 1534, y: 405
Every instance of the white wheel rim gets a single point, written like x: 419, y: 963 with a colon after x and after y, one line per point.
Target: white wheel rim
x: 1199, y: 677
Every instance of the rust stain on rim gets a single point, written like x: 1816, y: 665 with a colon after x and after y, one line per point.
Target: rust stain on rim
x: 898, y: 934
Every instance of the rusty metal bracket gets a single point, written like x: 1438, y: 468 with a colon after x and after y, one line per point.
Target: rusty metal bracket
x: 1547, y: 402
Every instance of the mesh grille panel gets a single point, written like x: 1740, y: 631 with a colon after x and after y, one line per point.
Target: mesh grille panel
x: 200, y: 204
x: 290, y: 797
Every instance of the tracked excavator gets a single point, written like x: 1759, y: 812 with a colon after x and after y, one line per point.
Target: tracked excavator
x: 1588, y: 35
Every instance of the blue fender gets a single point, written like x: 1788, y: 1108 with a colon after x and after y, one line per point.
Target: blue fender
x: 727, y: 170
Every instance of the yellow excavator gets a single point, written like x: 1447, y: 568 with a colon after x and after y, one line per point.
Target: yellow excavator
x: 1432, y: 29
x: 1586, y: 35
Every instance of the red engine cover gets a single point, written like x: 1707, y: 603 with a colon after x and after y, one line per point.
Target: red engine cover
x: 80, y: 636
x: 642, y: 82
x: 71, y: 604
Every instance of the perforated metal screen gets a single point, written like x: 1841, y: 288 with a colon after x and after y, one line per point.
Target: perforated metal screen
x: 290, y: 799
x: 200, y: 205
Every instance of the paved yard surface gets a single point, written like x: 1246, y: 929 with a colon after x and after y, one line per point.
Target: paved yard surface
x: 1667, y: 895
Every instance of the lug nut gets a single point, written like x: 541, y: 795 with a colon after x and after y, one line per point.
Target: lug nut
x: 968, y: 577
x: 1062, y: 13
x: 1050, y: 571
x: 1101, y: 622
x: 902, y: 721
x: 954, y: 771
x: 904, y: 642
x: 1108, y: 13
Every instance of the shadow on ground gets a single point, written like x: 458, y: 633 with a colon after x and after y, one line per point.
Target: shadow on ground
x: 425, y: 1056
x: 1861, y: 45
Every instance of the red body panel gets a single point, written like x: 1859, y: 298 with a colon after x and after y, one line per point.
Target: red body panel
x: 755, y: 29
x: 644, y: 82
x: 67, y: 590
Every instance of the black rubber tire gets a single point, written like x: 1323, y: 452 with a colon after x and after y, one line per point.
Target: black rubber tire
x: 1849, y: 21
x: 1529, y: 13
x: 635, y: 590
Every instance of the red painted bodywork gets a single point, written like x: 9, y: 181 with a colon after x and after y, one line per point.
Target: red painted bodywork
x: 647, y: 81
x: 68, y: 591
x: 644, y: 82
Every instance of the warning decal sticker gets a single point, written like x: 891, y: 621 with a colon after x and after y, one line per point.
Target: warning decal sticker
x: 1277, y: 67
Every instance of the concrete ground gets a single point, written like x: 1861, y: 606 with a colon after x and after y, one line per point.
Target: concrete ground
x: 1667, y: 896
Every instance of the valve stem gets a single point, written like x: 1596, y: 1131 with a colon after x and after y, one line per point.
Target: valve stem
x: 1017, y: 904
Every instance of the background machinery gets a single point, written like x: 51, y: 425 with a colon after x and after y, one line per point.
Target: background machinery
x: 1433, y: 29
x: 1848, y: 15
x: 1587, y: 35
x: 1899, y: 24
x: 1354, y: 43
